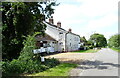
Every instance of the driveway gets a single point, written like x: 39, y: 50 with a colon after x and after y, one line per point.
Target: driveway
x: 70, y: 57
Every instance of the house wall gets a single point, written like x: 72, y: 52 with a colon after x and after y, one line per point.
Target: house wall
x: 72, y: 42
x: 57, y: 34
x: 54, y: 45
x: 65, y: 41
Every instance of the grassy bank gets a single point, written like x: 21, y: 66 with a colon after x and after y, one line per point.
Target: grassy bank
x: 85, y: 51
x: 60, y: 70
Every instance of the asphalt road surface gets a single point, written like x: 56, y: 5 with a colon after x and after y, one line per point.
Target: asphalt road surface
x: 105, y: 63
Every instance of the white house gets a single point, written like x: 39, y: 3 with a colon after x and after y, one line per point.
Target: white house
x: 58, y: 39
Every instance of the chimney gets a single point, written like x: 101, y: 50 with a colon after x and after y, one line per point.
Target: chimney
x: 51, y: 21
x: 59, y: 24
x: 70, y: 30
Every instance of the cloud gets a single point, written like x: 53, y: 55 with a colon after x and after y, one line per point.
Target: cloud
x: 103, y: 22
x: 87, y: 15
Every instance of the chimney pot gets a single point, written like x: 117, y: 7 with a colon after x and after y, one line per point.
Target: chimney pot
x: 51, y: 21
x: 70, y: 30
x: 59, y: 24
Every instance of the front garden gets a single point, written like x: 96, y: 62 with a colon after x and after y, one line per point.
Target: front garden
x: 29, y: 63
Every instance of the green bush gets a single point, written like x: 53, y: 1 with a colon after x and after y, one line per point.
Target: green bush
x: 91, y: 47
x: 51, y: 62
x: 11, y: 67
x: 31, y: 66
x: 87, y: 47
x: 27, y: 61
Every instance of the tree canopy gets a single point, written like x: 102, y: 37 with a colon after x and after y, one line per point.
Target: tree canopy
x: 99, y: 39
x: 20, y: 19
x: 114, y: 41
x: 83, y: 40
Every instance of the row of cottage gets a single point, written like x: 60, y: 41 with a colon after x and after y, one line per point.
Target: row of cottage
x: 58, y: 39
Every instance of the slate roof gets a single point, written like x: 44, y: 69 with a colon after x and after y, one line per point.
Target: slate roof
x: 45, y: 38
x: 55, y: 26
x: 61, y: 28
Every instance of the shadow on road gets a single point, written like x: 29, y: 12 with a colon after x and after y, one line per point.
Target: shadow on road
x: 96, y: 65
x: 87, y: 64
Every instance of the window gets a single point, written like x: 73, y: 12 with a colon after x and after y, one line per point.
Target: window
x: 41, y: 44
x: 75, y: 38
x: 60, y: 32
x: 61, y: 43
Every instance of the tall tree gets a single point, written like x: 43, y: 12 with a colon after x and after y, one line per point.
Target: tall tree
x: 21, y: 19
x: 114, y: 41
x: 99, y: 39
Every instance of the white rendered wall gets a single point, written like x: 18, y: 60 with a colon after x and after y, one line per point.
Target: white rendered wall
x: 72, y: 42
x: 72, y: 39
x: 55, y: 33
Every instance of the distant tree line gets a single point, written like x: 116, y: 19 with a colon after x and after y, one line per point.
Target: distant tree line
x: 95, y: 40
x: 98, y: 40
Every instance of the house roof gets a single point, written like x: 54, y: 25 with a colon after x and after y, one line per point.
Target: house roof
x: 46, y: 37
x: 74, y: 34
x: 55, y: 26
x: 60, y: 28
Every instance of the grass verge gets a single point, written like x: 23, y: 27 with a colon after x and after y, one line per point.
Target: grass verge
x: 115, y: 49
x: 86, y: 51
x: 60, y: 70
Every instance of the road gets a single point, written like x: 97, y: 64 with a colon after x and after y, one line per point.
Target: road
x: 102, y: 63
x: 105, y: 63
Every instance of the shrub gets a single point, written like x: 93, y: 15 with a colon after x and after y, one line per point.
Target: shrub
x: 91, y: 47
x: 81, y: 47
x: 32, y: 66
x: 15, y: 66
x: 51, y: 62
x: 87, y: 47
x: 27, y: 61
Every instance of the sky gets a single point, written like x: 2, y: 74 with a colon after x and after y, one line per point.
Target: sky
x: 86, y: 17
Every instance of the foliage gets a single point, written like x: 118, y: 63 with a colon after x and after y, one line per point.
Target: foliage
x: 29, y: 46
x: 16, y: 67
x: 116, y: 49
x: 20, y: 19
x: 83, y: 40
x: 89, y: 43
x: 86, y: 51
x: 11, y: 67
x: 90, y: 47
x: 99, y: 39
x: 27, y: 61
x: 60, y: 70
x: 83, y: 43
x: 114, y: 41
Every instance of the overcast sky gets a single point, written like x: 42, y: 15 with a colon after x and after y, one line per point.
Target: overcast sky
x: 86, y: 17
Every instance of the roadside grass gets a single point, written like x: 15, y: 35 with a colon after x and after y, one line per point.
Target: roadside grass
x: 115, y: 49
x: 60, y: 70
x: 86, y: 51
